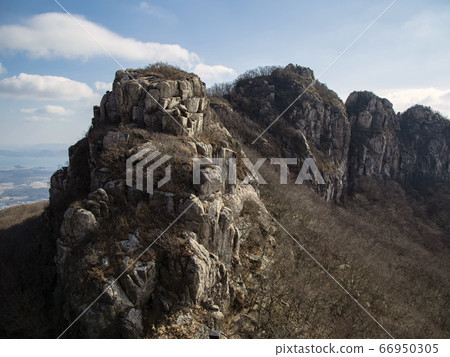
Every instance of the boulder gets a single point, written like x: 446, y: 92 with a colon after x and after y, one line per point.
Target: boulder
x: 130, y: 245
x: 139, y: 281
x: 77, y: 223
x: 210, y: 180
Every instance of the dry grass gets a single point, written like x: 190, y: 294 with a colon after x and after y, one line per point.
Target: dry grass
x: 164, y: 70
x: 380, y: 245
x: 12, y: 216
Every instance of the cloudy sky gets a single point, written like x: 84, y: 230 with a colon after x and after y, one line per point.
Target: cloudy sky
x: 52, y: 71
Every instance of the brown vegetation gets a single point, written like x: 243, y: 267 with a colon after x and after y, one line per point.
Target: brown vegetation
x: 164, y: 71
x: 380, y: 245
x: 15, y: 215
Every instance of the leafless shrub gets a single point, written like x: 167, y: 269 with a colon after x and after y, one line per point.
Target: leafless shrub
x: 164, y: 70
x: 392, y: 261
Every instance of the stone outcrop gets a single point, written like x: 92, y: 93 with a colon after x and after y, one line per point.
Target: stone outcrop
x: 116, y: 241
x: 172, y: 106
x: 410, y: 147
x: 425, y: 143
x: 315, y: 124
x: 111, y: 230
x: 363, y: 138
x: 374, y: 149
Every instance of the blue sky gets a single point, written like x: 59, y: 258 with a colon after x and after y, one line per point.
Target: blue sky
x: 52, y: 72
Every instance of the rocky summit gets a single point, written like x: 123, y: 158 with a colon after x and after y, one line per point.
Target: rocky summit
x: 191, y: 258
x: 107, y: 224
x: 362, y: 138
x: 410, y: 147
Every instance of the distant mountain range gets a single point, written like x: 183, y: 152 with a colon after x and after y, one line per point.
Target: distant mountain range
x: 34, y: 153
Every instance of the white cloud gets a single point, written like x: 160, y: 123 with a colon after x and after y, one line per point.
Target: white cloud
x: 2, y: 69
x: 102, y: 86
x: 47, y: 109
x: 37, y: 87
x: 214, y: 74
x: 402, y: 99
x: 157, y: 11
x: 36, y: 118
x: 51, y: 35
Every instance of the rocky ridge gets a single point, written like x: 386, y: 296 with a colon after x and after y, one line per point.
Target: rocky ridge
x: 411, y: 147
x: 362, y: 138
x: 316, y: 124
x: 185, y: 284
x: 100, y: 225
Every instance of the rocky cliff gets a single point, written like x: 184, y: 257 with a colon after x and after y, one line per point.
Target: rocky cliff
x: 363, y: 138
x: 177, y: 253
x: 425, y: 146
x: 104, y: 229
x: 314, y: 125
x: 411, y: 147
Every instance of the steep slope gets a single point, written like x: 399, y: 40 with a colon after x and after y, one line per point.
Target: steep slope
x: 315, y: 125
x: 194, y: 257
x: 389, y: 240
x: 102, y: 226
x: 374, y: 149
x: 412, y: 147
x: 26, y: 273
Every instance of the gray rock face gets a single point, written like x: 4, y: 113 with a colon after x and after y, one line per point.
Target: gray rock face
x: 133, y: 324
x: 77, y: 224
x: 113, y: 139
x: 374, y: 149
x: 412, y: 147
x: 194, y: 277
x: 363, y: 138
x: 425, y: 142
x: 140, y: 282
x: 198, y: 266
x: 206, y: 275
x: 172, y: 106
x: 210, y: 180
x: 316, y: 124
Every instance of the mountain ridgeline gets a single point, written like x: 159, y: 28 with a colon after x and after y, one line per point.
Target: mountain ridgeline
x: 362, y: 138
x: 192, y: 258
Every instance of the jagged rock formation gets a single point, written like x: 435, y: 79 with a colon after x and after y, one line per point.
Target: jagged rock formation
x: 411, y: 147
x: 153, y: 102
x: 363, y: 138
x: 315, y: 125
x: 183, y: 281
x: 374, y: 147
x: 101, y: 225
x: 425, y: 141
